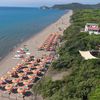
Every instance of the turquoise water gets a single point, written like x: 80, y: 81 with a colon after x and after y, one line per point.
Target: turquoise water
x: 18, y: 24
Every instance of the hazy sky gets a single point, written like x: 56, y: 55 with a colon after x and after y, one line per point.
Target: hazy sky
x: 42, y: 2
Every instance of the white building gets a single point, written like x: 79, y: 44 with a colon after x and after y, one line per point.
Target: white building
x: 92, y: 28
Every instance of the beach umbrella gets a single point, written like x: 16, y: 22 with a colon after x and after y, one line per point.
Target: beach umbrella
x: 36, y: 71
x: 9, y: 87
x: 24, y: 60
x: 34, y: 67
x: 1, y: 82
x: 21, y: 74
x: 43, y: 59
x: 10, y: 72
x: 30, y: 65
x: 26, y: 82
x: 32, y: 62
x: 31, y: 76
x: 39, y: 67
x: 15, y: 80
x: 42, y: 63
x: 26, y: 69
x: 21, y: 90
x: 17, y: 67
x: 4, y: 77
x: 26, y: 87
x: 14, y: 69
x: 14, y: 85
x: 49, y: 57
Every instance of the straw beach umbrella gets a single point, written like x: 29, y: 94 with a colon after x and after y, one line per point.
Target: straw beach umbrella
x: 21, y: 90
x: 21, y: 74
x: 10, y: 72
x: 30, y: 65
x: 26, y: 82
x: 36, y: 71
x: 15, y: 80
x: 26, y: 69
x: 3, y: 78
x: 19, y: 65
x: 15, y: 68
x: 39, y: 67
x: 31, y: 76
x: 9, y: 87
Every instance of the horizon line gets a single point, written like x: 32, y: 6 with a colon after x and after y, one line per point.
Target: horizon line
x: 46, y: 5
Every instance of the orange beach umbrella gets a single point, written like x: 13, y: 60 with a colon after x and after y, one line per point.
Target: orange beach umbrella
x: 36, y: 71
x: 21, y: 74
x: 21, y: 90
x: 8, y: 87
x: 26, y: 82
x: 4, y: 77
x: 15, y: 80
x: 31, y: 76
x: 10, y: 72
x: 25, y: 69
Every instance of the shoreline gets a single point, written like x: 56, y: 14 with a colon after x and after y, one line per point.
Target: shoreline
x: 13, y: 49
x: 34, y: 42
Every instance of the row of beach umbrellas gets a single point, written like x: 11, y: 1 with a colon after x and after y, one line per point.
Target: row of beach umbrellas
x: 50, y: 42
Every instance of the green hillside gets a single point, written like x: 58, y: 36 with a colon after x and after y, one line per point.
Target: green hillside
x: 76, y: 6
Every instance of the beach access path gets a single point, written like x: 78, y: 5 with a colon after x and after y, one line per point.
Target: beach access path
x: 34, y: 42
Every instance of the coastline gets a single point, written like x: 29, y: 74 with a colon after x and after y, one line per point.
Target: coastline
x: 34, y: 42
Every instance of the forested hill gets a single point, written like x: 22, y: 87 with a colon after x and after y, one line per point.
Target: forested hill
x: 76, y: 6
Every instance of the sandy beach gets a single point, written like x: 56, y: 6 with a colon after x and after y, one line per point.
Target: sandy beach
x: 34, y: 42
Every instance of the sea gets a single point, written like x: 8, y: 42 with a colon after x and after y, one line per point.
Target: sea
x: 19, y: 24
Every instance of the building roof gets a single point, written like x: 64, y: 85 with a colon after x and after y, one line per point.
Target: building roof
x: 93, y: 27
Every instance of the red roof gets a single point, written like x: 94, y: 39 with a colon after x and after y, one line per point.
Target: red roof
x: 93, y: 27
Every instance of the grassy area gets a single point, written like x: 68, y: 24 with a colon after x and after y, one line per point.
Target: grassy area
x: 83, y: 82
